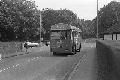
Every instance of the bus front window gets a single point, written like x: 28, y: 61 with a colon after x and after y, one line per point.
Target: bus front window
x: 63, y: 35
x: 55, y: 35
x: 60, y: 35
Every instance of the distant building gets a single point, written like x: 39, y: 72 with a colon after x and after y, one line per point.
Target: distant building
x: 112, y: 33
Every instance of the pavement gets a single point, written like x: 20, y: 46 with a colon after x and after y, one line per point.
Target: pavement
x: 86, y: 68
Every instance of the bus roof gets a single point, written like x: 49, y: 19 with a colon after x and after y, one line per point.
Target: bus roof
x: 62, y: 26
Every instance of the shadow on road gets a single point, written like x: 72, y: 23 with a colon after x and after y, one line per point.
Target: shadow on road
x: 60, y: 55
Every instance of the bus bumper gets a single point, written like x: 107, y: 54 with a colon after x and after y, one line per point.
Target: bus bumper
x: 61, y: 50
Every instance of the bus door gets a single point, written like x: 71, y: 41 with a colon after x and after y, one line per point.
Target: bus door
x: 76, y: 40
x: 66, y: 40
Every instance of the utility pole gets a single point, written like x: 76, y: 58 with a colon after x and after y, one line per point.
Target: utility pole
x: 40, y: 26
x: 97, y: 20
x: 117, y: 16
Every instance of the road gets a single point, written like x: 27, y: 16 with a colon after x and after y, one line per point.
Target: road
x: 40, y: 64
x: 86, y: 68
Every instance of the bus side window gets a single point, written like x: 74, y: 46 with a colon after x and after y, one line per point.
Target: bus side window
x: 63, y: 35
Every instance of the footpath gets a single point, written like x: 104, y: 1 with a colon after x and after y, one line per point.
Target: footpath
x: 86, y: 68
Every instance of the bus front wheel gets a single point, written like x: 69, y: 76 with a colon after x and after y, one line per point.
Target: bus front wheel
x: 74, y: 49
x: 78, y: 50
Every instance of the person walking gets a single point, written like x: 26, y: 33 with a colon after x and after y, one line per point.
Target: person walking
x: 26, y: 46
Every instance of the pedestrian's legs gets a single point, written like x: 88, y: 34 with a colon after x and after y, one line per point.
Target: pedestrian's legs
x: 26, y: 49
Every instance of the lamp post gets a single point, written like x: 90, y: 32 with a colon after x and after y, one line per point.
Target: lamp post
x: 97, y: 19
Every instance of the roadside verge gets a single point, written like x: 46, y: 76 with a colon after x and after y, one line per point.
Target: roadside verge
x: 22, y: 52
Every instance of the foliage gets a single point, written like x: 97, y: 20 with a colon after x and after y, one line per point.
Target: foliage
x: 51, y: 17
x: 108, y: 16
x: 18, y: 19
x: 88, y: 29
x: 77, y: 23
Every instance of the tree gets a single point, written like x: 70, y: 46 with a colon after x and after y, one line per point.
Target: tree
x: 77, y: 23
x: 19, y: 18
x: 51, y: 17
x: 88, y: 29
x: 108, y: 16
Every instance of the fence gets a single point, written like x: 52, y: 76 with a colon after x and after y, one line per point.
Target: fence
x: 8, y: 48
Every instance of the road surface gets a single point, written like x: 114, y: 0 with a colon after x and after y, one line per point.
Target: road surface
x: 40, y: 64
x: 86, y: 68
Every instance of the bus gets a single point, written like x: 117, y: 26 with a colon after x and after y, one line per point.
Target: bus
x: 65, y: 39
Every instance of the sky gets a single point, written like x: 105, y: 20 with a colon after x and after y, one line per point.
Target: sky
x: 85, y: 9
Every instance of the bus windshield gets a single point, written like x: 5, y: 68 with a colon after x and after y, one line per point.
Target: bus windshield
x: 55, y: 35
x: 59, y: 35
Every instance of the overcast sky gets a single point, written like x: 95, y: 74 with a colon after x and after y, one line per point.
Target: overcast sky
x: 85, y: 9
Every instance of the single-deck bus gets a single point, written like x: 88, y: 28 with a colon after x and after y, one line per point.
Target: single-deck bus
x: 65, y: 38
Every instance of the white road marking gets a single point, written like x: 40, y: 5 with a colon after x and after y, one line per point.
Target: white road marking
x: 7, y: 68
x: 4, y: 69
x: 17, y: 65
x: 0, y: 70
